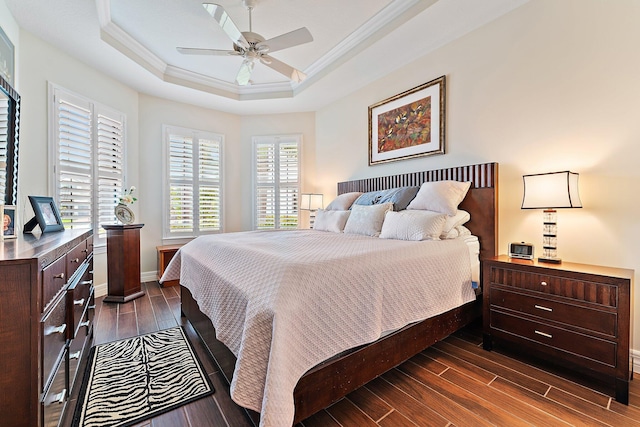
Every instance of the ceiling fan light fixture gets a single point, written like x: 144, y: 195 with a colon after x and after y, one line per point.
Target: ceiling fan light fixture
x: 252, y: 46
x: 244, y: 75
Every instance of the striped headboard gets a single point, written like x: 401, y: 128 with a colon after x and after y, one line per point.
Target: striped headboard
x: 481, y: 200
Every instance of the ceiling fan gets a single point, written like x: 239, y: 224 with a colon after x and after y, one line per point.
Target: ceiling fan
x: 252, y: 46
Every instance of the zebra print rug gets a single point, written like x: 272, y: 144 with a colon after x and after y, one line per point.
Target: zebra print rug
x: 130, y: 380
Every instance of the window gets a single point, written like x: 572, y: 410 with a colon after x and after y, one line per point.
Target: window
x: 88, y: 161
x: 193, y: 190
x: 277, y: 181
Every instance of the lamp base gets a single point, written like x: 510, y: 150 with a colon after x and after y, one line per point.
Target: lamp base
x: 550, y: 260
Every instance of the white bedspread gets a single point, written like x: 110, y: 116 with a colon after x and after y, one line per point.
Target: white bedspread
x: 283, y: 301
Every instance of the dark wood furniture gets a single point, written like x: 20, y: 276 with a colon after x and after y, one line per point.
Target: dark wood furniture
x: 46, y: 292
x: 123, y: 262
x: 165, y: 253
x: 573, y: 315
x: 330, y: 381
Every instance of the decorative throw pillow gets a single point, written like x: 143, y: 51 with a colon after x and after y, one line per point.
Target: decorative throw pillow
x: 461, y: 217
x: 413, y: 225
x: 343, y: 202
x: 440, y: 196
x: 367, y: 220
x: 400, y: 197
x: 331, y: 220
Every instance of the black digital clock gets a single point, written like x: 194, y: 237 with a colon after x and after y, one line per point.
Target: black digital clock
x: 521, y: 250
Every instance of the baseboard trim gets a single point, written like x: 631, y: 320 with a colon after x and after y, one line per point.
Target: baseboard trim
x: 635, y: 354
x: 147, y: 276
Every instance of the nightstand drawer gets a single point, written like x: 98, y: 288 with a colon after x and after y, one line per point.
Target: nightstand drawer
x: 605, y: 294
x: 598, y: 350
x: 570, y: 314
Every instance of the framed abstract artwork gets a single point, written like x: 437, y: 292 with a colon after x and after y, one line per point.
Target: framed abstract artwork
x: 407, y: 125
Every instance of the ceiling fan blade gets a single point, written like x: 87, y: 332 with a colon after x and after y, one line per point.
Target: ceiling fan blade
x: 244, y: 74
x: 284, y: 69
x: 284, y: 41
x: 197, y: 51
x: 224, y: 20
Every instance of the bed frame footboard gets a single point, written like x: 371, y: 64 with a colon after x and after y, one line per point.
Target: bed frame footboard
x: 330, y: 381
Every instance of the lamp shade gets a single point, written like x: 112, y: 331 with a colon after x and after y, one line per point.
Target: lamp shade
x: 552, y: 190
x: 311, y: 201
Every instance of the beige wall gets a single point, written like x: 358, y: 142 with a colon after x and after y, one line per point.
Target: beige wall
x: 39, y: 64
x: 553, y: 85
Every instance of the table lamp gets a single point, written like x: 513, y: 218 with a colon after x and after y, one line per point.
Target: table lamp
x: 311, y: 202
x: 551, y: 191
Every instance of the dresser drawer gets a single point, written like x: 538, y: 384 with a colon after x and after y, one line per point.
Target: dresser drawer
x: 54, y: 337
x: 54, y: 277
x: 78, y: 296
x: 75, y: 258
x: 595, y: 349
x: 77, y: 349
x: 55, y: 400
x: 586, y: 318
x: 605, y: 294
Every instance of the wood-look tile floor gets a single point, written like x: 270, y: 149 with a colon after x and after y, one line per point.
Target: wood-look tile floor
x: 455, y: 382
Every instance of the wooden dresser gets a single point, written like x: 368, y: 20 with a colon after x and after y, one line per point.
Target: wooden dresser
x: 574, y: 315
x: 46, y: 315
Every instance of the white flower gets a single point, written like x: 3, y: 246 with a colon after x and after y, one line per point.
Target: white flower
x: 127, y: 197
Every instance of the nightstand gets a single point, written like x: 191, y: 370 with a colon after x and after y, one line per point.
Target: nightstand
x: 165, y: 255
x: 577, y: 316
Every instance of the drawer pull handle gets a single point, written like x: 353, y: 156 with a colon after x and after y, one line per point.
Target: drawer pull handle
x: 540, y: 307
x: 91, y: 307
x: 75, y: 260
x: 57, y: 329
x: 85, y: 250
x: 59, y: 276
x: 58, y: 398
x: 91, y: 272
x: 75, y: 355
x: 543, y: 283
x: 87, y: 282
x: 87, y: 323
x: 78, y: 302
x: 544, y: 334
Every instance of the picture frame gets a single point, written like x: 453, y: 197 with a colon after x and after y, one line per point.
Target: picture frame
x: 9, y: 221
x: 409, y: 124
x: 7, y: 58
x: 47, y: 215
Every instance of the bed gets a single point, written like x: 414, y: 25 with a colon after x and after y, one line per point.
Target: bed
x: 331, y: 379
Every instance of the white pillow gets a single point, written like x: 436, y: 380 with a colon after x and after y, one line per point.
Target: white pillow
x: 413, y: 225
x: 458, y: 231
x: 460, y: 218
x: 331, y: 220
x: 343, y: 202
x: 367, y: 220
x: 440, y: 196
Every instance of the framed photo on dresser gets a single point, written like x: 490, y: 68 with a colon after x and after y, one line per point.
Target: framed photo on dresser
x: 47, y: 215
x: 8, y: 214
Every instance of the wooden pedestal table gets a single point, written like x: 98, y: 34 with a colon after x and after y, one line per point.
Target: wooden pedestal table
x: 123, y: 262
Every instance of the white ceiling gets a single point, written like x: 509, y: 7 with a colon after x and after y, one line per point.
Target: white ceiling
x: 355, y: 43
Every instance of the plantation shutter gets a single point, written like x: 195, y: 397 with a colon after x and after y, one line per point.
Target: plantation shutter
x: 194, y: 174
x: 110, y: 166
x: 4, y: 143
x: 74, y: 161
x: 277, y: 182
x: 88, y: 162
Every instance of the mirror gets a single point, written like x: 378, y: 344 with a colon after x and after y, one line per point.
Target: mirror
x: 9, y: 126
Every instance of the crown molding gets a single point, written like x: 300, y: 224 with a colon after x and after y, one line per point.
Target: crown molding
x: 393, y: 15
